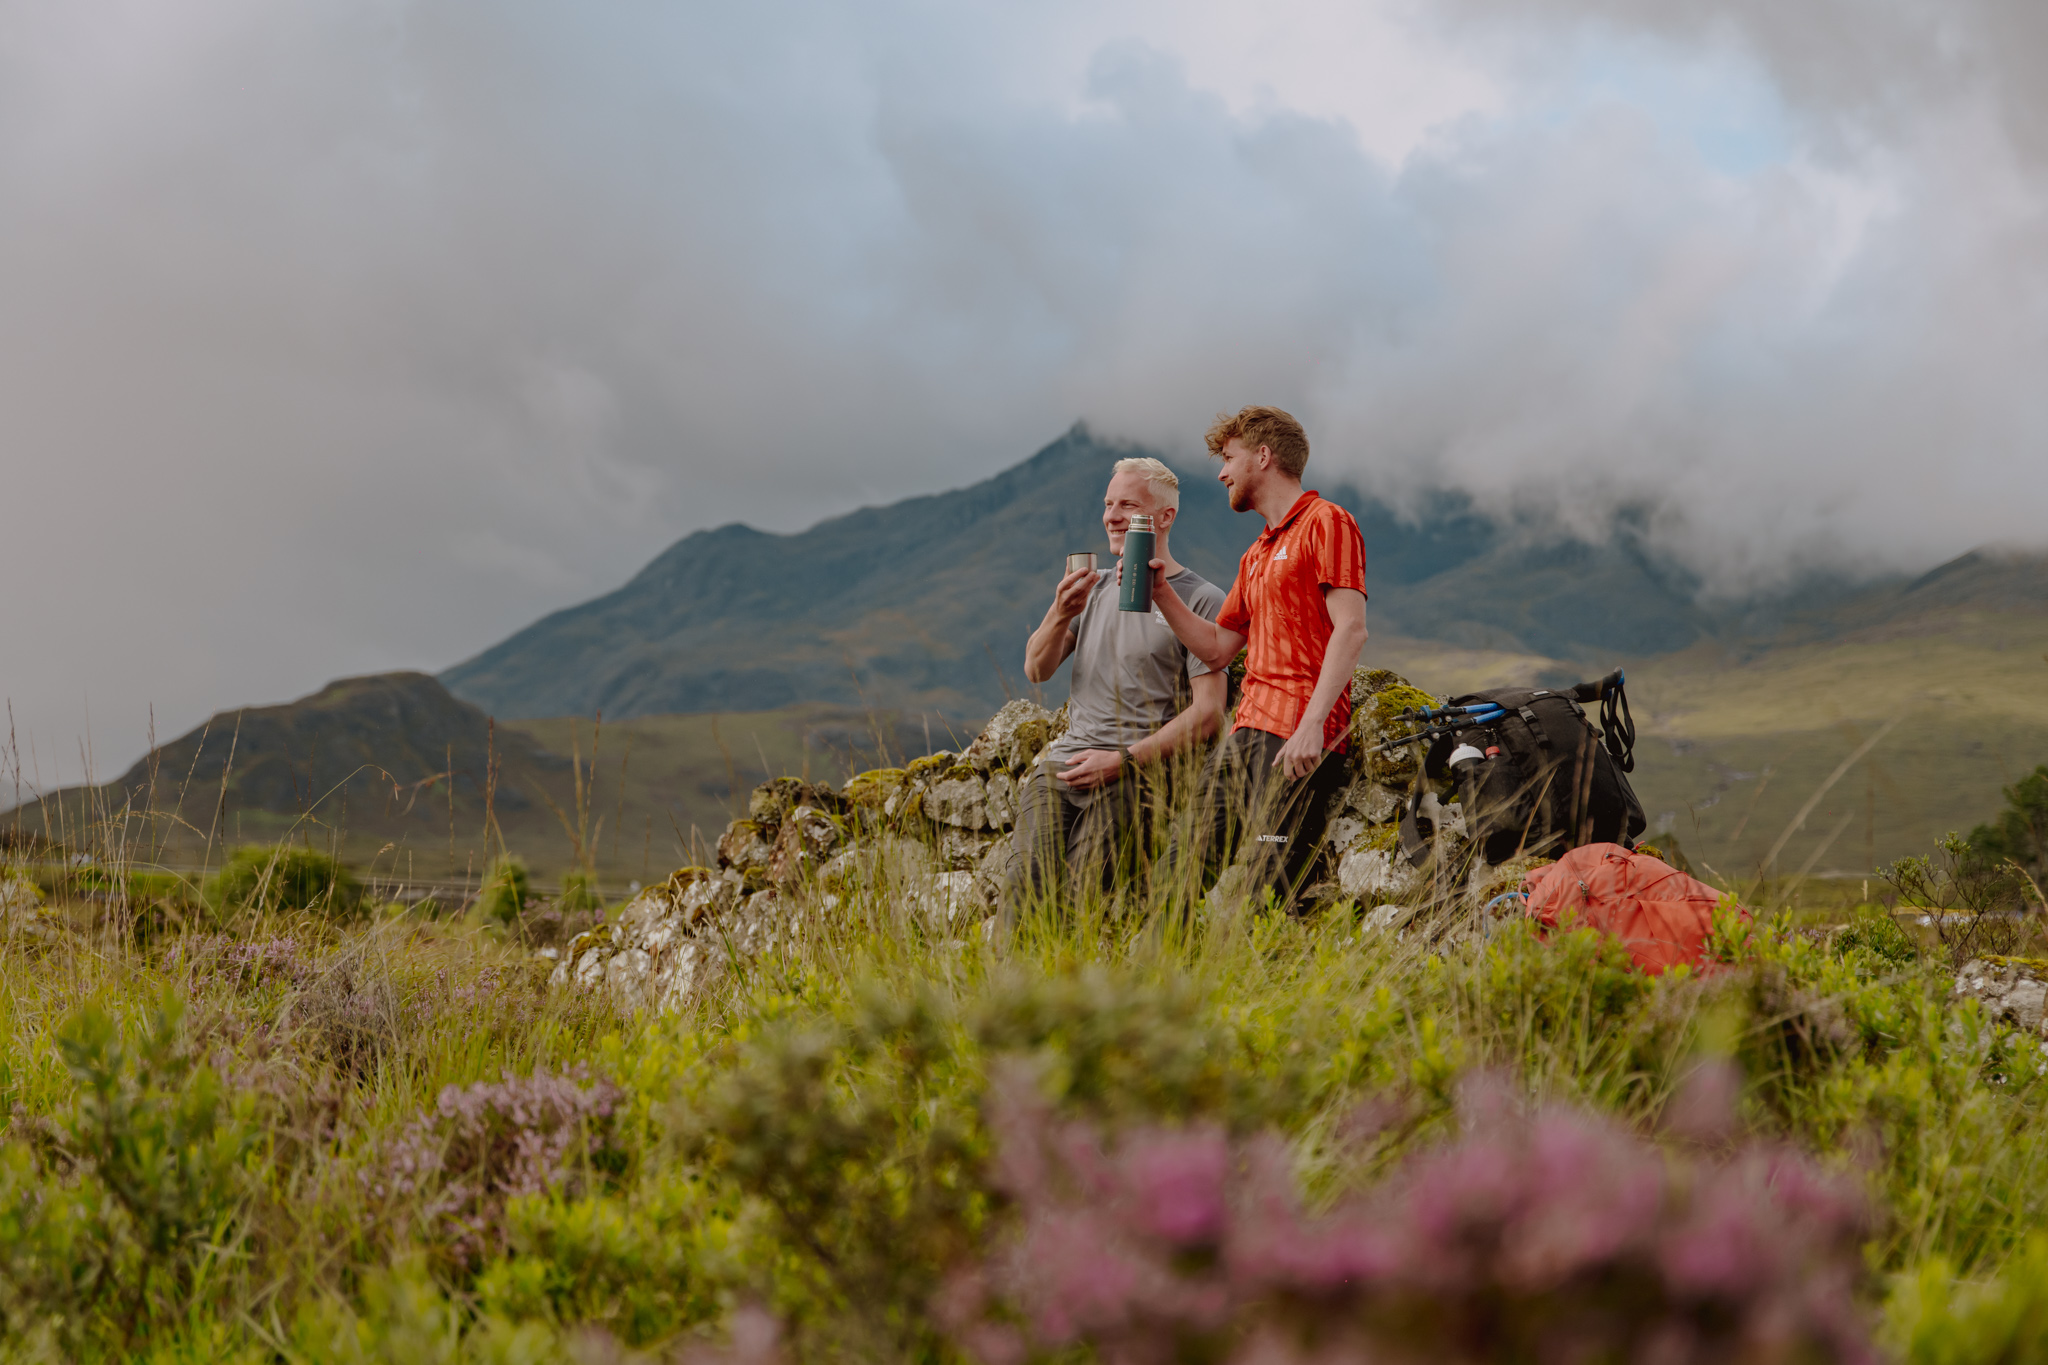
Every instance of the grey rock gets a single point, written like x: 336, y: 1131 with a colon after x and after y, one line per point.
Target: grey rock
x: 808, y: 839
x: 1382, y: 919
x: 942, y: 898
x: 1002, y: 800
x: 743, y: 846
x: 2014, y: 990
x: 1372, y: 802
x: 1014, y: 735
x: 1379, y: 875
x: 992, y: 868
x: 960, y: 849
x: 961, y: 802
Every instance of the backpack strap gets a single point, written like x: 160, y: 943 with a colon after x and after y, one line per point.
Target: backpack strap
x: 1618, y: 728
x: 1414, y: 845
x: 1582, y: 787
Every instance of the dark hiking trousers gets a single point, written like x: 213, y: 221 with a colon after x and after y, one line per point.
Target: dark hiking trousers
x: 1096, y: 835
x: 1250, y: 812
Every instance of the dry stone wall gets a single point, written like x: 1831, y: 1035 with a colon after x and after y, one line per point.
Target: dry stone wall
x: 937, y: 832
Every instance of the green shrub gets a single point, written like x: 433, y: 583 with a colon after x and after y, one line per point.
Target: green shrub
x: 579, y: 892
x: 507, y: 888
x: 2020, y: 833
x: 1877, y: 938
x: 285, y: 878
x: 1933, y: 1320
x: 121, y: 1219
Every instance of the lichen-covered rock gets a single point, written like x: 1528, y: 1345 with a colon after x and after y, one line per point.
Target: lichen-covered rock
x: 23, y: 916
x: 771, y: 802
x: 933, y: 764
x: 992, y: 867
x: 960, y: 850
x: 1379, y: 697
x: 887, y: 860
x: 872, y: 788
x: 1373, y: 803
x: 674, y: 939
x: 744, y: 847
x: 707, y: 900
x: 1002, y: 800
x: 946, y: 899
x: 1385, y: 919
x: 808, y: 838
x: 1014, y: 736
x: 2012, y: 989
x: 959, y: 799
x: 1375, y: 875
x: 906, y: 803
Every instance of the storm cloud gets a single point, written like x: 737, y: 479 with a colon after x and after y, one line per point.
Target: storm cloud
x: 346, y: 336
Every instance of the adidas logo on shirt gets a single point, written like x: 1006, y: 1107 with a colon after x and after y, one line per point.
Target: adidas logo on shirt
x: 1280, y: 553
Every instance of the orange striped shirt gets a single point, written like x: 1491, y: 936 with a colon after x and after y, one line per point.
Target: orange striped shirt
x: 1277, y: 604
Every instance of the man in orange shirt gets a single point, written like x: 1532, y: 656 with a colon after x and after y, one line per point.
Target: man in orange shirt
x: 1298, y: 608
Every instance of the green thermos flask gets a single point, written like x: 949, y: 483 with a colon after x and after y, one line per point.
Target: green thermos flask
x: 1135, y: 592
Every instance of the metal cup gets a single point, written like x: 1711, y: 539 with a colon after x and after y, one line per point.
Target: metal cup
x: 1083, y: 559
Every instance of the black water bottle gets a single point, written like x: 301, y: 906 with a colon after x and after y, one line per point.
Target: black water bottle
x: 1135, y: 592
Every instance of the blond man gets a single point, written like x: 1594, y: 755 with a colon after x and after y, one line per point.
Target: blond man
x: 1137, y: 696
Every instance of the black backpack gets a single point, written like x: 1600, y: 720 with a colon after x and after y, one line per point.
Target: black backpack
x: 1534, y: 775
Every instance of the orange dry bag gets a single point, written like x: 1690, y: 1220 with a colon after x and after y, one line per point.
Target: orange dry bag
x: 1662, y: 916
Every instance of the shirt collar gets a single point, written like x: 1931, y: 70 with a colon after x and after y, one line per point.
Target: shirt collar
x: 1308, y: 495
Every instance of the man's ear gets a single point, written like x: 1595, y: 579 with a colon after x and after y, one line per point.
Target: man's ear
x: 1163, y: 518
x: 1264, y: 455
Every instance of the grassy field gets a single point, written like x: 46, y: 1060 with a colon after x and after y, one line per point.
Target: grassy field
x: 292, y: 1139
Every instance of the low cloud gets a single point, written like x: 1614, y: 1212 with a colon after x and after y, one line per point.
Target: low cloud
x: 342, y: 337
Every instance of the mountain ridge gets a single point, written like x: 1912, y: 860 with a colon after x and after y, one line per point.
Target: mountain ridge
x: 925, y: 603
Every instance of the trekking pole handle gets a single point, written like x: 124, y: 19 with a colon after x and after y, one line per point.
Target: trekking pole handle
x: 1598, y: 691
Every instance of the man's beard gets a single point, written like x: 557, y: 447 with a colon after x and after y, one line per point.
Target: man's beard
x: 1240, y: 497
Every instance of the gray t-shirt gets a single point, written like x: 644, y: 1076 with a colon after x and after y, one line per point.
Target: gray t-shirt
x: 1131, y: 671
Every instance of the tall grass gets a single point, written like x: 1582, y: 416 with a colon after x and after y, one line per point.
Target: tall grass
x: 284, y: 1137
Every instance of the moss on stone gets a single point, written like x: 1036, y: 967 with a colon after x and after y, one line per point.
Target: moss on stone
x: 872, y: 787
x: 1390, y: 702
x: 931, y: 764
x: 1366, y: 682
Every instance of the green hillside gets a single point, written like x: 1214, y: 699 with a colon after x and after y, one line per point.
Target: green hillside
x: 1738, y: 736
x: 404, y: 781
x: 924, y: 605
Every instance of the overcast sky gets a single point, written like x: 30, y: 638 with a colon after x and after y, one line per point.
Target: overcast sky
x: 345, y: 335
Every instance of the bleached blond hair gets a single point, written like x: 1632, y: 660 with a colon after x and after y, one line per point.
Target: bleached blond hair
x: 1164, y: 480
